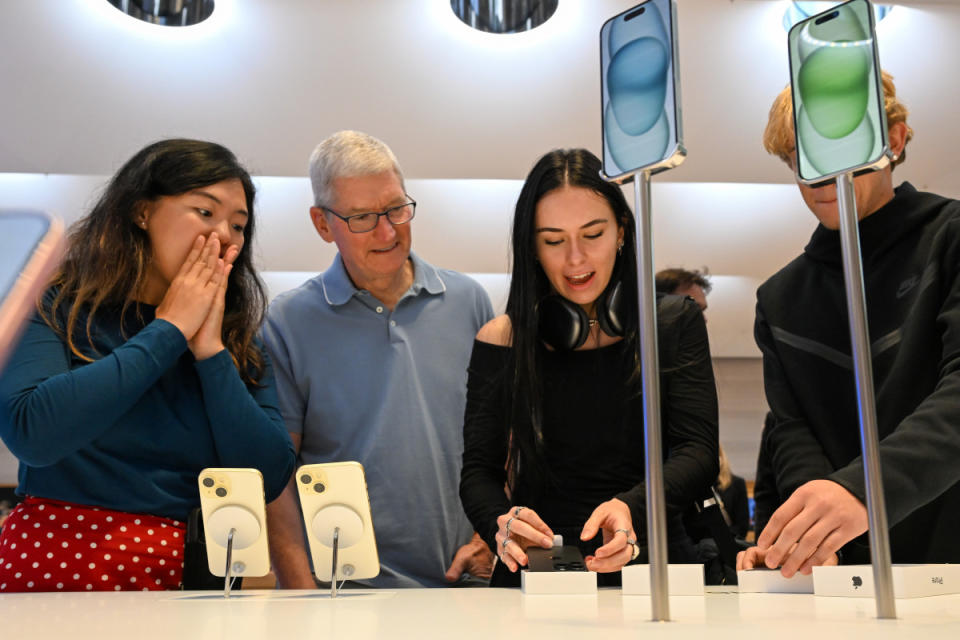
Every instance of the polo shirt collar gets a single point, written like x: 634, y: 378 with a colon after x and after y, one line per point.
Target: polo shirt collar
x: 425, y: 277
x: 338, y: 288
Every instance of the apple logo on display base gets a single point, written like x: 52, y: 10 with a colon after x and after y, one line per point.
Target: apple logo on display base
x: 857, y: 582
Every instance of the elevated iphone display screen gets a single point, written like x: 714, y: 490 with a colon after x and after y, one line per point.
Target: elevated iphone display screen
x: 837, y: 100
x: 638, y: 92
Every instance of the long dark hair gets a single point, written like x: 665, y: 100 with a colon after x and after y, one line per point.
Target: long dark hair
x: 108, y: 253
x: 529, y: 285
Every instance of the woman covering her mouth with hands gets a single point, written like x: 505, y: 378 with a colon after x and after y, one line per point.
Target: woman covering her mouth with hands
x: 140, y: 369
x: 553, y: 433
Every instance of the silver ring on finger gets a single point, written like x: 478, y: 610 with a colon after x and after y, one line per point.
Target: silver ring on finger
x: 516, y: 511
x: 624, y: 532
x: 509, y: 522
x: 503, y: 545
x: 636, y: 550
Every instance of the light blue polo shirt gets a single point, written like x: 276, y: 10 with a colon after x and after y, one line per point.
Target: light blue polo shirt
x: 387, y: 389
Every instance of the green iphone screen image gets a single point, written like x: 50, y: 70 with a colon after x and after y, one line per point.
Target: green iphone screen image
x: 838, y: 112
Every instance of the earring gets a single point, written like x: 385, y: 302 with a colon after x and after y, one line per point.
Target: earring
x: 620, y: 248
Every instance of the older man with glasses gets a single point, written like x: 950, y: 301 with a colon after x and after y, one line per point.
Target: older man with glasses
x: 371, y: 359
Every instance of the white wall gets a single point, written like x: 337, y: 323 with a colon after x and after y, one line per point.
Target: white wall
x: 85, y: 86
x: 743, y: 232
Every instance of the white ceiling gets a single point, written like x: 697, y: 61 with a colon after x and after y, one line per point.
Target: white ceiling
x: 84, y: 86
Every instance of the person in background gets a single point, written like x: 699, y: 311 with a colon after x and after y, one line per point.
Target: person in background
x: 910, y: 245
x: 717, y: 556
x: 554, y: 406
x: 681, y: 282
x: 140, y: 369
x: 371, y: 360
x: 733, y: 491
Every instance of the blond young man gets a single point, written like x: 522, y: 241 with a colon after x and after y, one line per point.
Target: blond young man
x: 910, y: 243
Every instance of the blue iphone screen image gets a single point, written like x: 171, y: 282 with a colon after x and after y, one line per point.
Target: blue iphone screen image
x: 636, y: 53
x: 837, y: 109
x: 19, y: 235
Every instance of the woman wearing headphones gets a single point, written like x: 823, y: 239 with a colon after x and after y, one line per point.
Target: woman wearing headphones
x: 553, y: 433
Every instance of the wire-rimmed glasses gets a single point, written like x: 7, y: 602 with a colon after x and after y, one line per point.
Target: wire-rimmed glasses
x: 364, y: 222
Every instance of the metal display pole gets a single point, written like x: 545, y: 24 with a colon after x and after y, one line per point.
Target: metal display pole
x: 866, y: 404
x: 333, y: 569
x: 650, y: 369
x: 228, y: 570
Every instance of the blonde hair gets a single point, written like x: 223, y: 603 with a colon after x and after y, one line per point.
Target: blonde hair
x: 779, y: 140
x: 725, y: 477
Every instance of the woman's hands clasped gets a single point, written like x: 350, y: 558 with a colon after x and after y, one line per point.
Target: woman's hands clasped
x: 195, y: 300
x: 619, y: 539
x: 517, y: 530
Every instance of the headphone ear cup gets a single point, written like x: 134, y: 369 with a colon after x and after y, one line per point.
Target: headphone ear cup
x: 610, y: 312
x: 562, y: 324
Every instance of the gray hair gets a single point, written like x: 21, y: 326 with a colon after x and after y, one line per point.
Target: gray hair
x: 348, y: 154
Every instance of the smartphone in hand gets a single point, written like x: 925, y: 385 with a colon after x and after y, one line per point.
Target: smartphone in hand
x: 565, y: 558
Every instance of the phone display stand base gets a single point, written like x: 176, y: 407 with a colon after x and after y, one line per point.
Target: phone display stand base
x: 909, y: 580
x: 772, y: 581
x: 232, y: 527
x: 557, y: 581
x: 337, y: 526
x: 683, y: 580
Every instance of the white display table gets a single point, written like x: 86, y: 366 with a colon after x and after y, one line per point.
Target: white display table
x: 487, y: 614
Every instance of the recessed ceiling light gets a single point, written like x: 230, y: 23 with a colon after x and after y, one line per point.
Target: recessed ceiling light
x: 168, y: 13
x: 504, y: 16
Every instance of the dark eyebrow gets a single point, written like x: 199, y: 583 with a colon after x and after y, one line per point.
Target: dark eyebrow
x: 209, y: 195
x: 584, y: 226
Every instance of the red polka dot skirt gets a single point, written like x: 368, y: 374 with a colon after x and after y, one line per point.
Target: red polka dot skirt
x: 49, y: 545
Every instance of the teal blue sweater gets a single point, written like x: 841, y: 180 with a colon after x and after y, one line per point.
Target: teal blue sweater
x: 131, y: 430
